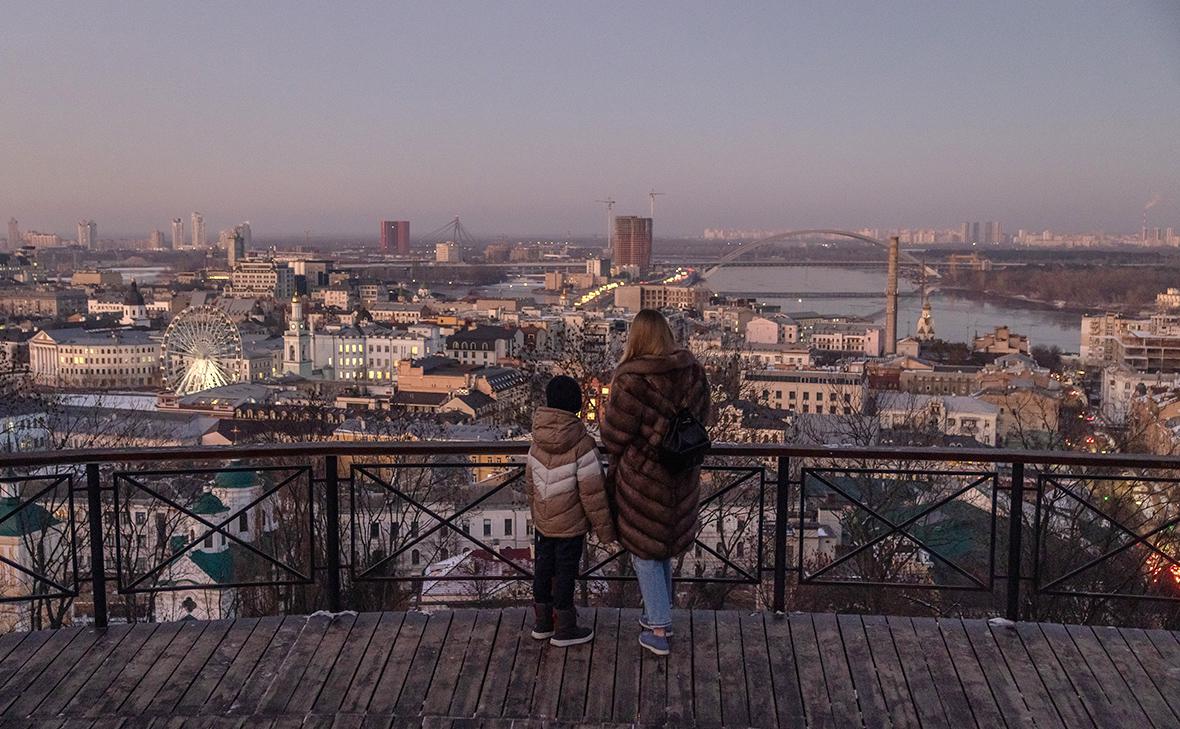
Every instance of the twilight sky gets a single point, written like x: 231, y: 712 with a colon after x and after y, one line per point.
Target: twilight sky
x: 519, y: 115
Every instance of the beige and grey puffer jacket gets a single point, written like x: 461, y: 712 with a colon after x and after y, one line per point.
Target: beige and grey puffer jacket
x: 564, y: 478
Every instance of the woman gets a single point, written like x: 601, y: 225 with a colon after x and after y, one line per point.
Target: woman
x: 656, y: 508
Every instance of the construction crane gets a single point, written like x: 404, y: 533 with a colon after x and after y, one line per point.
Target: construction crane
x: 610, y: 218
x: 652, y: 196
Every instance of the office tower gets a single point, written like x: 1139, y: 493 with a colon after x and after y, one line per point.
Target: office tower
x: 87, y: 233
x: 198, y: 230
x: 632, y: 242
x: 395, y: 237
x: 13, y: 235
x: 235, y: 247
x: 243, y: 229
x: 156, y: 240
x: 891, y: 297
x: 177, y: 234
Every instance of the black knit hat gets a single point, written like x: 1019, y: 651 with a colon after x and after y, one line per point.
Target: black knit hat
x: 564, y: 393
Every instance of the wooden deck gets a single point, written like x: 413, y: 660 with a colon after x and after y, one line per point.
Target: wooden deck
x: 470, y: 669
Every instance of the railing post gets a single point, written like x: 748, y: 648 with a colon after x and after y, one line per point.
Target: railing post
x: 781, y: 509
x: 98, y: 570
x: 1015, y: 535
x: 332, y: 530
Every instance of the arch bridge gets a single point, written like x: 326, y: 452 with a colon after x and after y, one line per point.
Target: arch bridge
x: 753, y: 245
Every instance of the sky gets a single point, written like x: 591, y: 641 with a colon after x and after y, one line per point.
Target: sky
x: 519, y: 116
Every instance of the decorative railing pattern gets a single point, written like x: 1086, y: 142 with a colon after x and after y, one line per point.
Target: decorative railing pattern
x: 1094, y: 527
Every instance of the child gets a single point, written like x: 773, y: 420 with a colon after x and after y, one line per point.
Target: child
x: 567, y: 495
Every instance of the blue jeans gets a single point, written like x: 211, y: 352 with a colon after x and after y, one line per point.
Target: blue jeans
x: 655, y: 584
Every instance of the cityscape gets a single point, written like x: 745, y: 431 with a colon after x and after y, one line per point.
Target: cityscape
x: 286, y: 472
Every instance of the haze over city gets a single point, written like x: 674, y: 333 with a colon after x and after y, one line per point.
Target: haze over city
x: 518, y: 116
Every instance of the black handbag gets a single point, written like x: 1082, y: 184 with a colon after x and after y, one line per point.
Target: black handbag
x: 685, y: 443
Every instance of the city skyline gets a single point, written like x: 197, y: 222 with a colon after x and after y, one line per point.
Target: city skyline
x: 1048, y: 117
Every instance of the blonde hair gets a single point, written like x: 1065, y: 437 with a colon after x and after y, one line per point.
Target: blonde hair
x: 650, y: 336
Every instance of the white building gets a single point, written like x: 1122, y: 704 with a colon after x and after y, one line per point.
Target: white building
x: 953, y: 415
x: 1121, y: 384
x: 109, y: 359
x: 177, y: 234
x: 847, y: 338
x: 198, y: 230
x: 87, y: 233
x: 774, y: 329
x: 447, y: 252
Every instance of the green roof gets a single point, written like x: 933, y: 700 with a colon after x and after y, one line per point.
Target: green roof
x: 236, y: 479
x: 32, y: 517
x: 218, y: 565
x: 208, y: 503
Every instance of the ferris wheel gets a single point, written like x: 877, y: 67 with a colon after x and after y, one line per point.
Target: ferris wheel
x: 201, y: 348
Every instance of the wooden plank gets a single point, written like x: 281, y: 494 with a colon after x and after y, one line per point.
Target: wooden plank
x: 891, y: 673
x: 995, y: 670
x: 32, y: 696
x: 83, y: 669
x: 628, y: 672
x: 510, y: 633
x: 219, y: 682
x: 917, y: 674
x: 759, y: 686
x: 1167, y: 643
x: 55, y: 643
x: 476, y: 664
x: 735, y: 703
x: 835, y: 670
x: 94, y: 688
x: 319, y: 667
x: 1078, y: 699
x: 873, y: 707
x: 1110, y: 682
x: 653, y: 683
x: 9, y: 643
x: 218, y: 636
x: 358, y: 692
x: 337, y: 680
x: 679, y: 709
x: 547, y: 687
x: 783, y: 672
x: 166, y: 664
x: 422, y: 669
x: 1025, y: 675
x: 389, y: 685
x: 600, y: 689
x: 955, y: 702
x: 706, y: 676
x: 1137, y: 676
x: 985, y: 706
x: 575, y: 677
x: 1164, y: 674
x: 144, y: 660
x: 286, y: 676
x: 16, y: 659
x: 524, y: 672
x: 450, y: 662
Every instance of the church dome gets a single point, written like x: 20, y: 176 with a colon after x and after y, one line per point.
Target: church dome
x: 133, y: 297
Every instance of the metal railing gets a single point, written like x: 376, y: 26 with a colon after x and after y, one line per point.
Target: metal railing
x: 889, y: 496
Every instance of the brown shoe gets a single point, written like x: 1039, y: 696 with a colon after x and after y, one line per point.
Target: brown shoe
x: 543, y: 626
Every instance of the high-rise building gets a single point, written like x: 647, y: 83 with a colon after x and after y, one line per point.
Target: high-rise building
x: 87, y: 233
x: 234, y: 244
x: 198, y: 230
x: 243, y: 229
x: 177, y: 234
x: 13, y: 235
x: 395, y: 237
x: 156, y: 240
x: 632, y: 242
x: 447, y: 252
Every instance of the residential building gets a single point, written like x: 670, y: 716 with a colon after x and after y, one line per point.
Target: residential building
x: 1121, y: 385
x: 659, y: 296
x: 772, y: 329
x: 262, y: 277
x: 14, y: 239
x: 1001, y: 341
x: 198, y: 230
x: 447, y: 252
x: 177, y: 234
x: 484, y: 345
x: 156, y: 240
x: 846, y: 337
x: 948, y: 415
x: 41, y: 302
x: 827, y: 392
x: 632, y: 242
x: 105, y: 279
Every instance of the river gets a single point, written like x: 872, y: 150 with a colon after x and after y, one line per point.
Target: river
x: 956, y: 318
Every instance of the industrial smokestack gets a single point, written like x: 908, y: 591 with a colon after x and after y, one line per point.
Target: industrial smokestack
x: 891, y: 297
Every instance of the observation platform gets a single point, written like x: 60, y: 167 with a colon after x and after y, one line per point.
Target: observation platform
x: 480, y: 668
